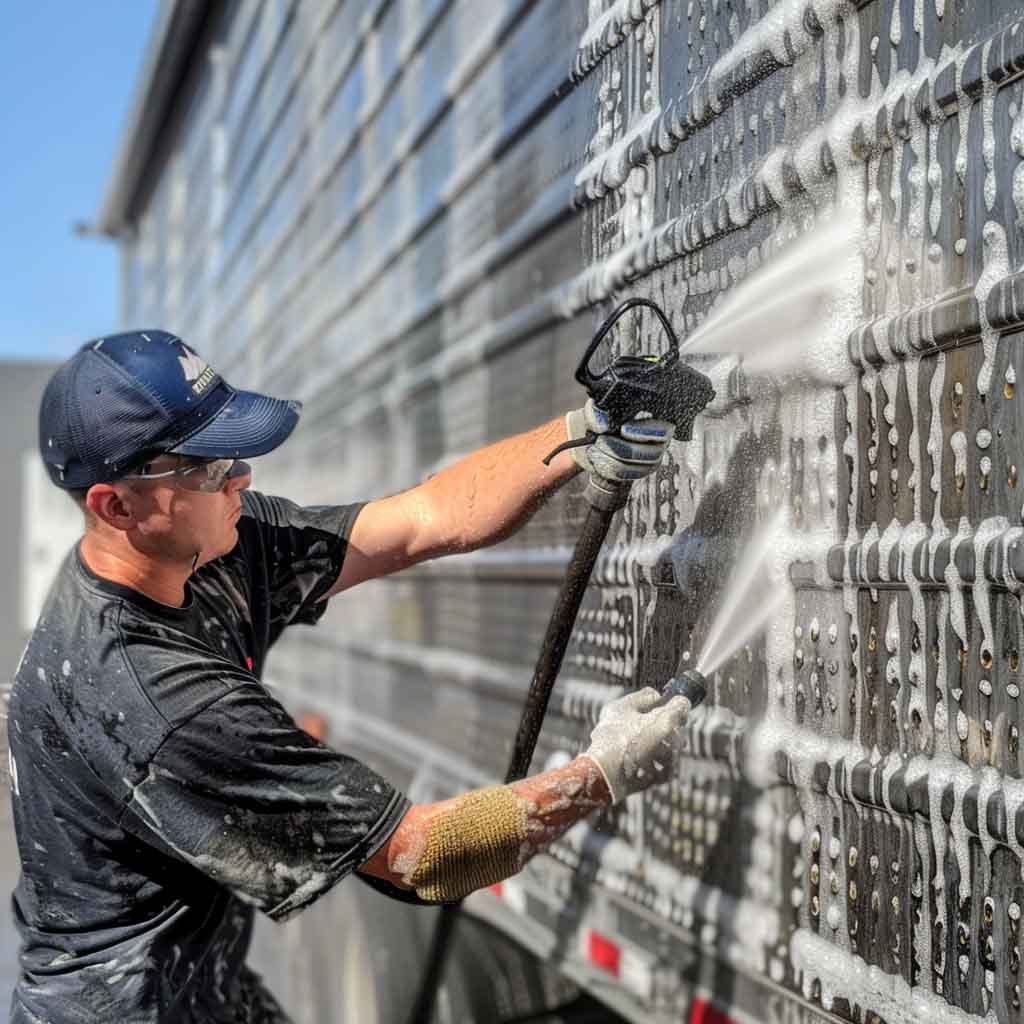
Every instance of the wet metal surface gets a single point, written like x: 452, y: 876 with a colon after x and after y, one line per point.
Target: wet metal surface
x: 388, y: 232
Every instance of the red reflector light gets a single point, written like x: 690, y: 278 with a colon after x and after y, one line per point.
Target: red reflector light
x: 603, y: 953
x: 702, y: 1012
x: 495, y: 890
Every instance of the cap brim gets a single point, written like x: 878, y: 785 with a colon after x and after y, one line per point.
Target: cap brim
x: 250, y: 424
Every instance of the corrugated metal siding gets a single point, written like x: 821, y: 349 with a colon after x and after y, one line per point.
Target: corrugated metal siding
x: 370, y: 208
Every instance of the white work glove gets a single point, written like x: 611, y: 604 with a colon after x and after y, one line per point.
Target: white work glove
x: 620, y: 458
x: 633, y: 742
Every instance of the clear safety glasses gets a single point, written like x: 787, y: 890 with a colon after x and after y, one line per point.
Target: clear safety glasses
x: 207, y: 476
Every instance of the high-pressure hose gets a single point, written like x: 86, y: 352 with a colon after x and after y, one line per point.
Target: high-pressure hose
x: 659, y: 386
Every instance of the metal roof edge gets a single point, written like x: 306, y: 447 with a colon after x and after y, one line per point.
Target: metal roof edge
x: 169, y: 54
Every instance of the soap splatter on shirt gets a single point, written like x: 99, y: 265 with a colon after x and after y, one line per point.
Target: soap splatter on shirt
x: 162, y: 793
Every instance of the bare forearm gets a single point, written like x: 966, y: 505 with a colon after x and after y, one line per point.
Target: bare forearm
x: 488, y: 495
x: 447, y: 849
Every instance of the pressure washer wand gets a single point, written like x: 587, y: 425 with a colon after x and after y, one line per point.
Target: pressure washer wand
x: 663, y: 388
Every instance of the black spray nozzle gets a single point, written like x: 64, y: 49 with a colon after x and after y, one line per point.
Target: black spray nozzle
x: 690, y: 684
x: 660, y: 386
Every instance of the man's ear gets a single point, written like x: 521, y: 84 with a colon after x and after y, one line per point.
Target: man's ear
x: 111, y: 506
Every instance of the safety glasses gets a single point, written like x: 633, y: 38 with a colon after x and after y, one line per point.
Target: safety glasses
x: 207, y: 476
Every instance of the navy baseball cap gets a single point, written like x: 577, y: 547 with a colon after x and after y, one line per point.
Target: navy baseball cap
x: 126, y: 398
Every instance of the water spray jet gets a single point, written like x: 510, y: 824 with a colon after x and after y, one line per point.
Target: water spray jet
x: 779, y: 318
x: 752, y: 598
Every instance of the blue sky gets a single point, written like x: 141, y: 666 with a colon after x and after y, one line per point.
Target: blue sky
x: 67, y: 74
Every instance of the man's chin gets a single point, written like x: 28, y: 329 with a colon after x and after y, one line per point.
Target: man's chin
x: 232, y: 541
x: 228, y: 545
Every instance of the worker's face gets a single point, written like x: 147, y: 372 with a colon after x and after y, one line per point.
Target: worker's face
x: 174, y: 520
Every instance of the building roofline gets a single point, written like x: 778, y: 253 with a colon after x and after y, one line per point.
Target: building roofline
x: 170, y: 53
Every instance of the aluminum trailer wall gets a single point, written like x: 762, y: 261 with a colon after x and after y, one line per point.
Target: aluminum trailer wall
x: 410, y: 214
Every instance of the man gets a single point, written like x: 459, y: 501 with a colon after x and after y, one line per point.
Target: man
x: 160, y: 793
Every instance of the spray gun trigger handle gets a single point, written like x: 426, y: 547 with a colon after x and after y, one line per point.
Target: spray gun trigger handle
x: 579, y: 442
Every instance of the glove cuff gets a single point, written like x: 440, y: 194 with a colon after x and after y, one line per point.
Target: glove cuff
x: 576, y: 423
x: 616, y: 790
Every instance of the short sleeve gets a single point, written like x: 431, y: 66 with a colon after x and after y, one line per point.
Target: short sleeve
x: 294, y: 554
x: 241, y: 793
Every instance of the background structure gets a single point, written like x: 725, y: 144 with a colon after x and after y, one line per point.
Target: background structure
x: 37, y: 528
x: 410, y: 214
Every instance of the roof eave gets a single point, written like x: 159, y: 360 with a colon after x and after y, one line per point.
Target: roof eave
x: 171, y: 50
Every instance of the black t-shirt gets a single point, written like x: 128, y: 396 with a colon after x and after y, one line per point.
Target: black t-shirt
x: 160, y: 793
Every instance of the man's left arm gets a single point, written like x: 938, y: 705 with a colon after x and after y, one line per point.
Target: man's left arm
x: 479, y: 500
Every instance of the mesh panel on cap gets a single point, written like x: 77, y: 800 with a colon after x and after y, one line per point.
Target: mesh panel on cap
x: 54, y: 445
x: 118, y: 420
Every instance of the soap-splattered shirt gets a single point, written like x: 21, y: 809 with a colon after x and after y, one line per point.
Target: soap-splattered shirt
x: 161, y: 793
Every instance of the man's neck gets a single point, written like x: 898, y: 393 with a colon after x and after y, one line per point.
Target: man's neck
x: 161, y: 582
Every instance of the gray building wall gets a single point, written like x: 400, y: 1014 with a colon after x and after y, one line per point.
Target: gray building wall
x: 21, y: 387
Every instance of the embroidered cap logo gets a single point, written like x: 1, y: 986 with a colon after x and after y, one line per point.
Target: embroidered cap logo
x: 197, y: 372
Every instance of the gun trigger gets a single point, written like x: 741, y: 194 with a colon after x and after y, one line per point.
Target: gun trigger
x: 579, y: 442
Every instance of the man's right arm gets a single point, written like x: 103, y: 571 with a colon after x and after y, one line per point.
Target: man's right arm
x: 446, y: 850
